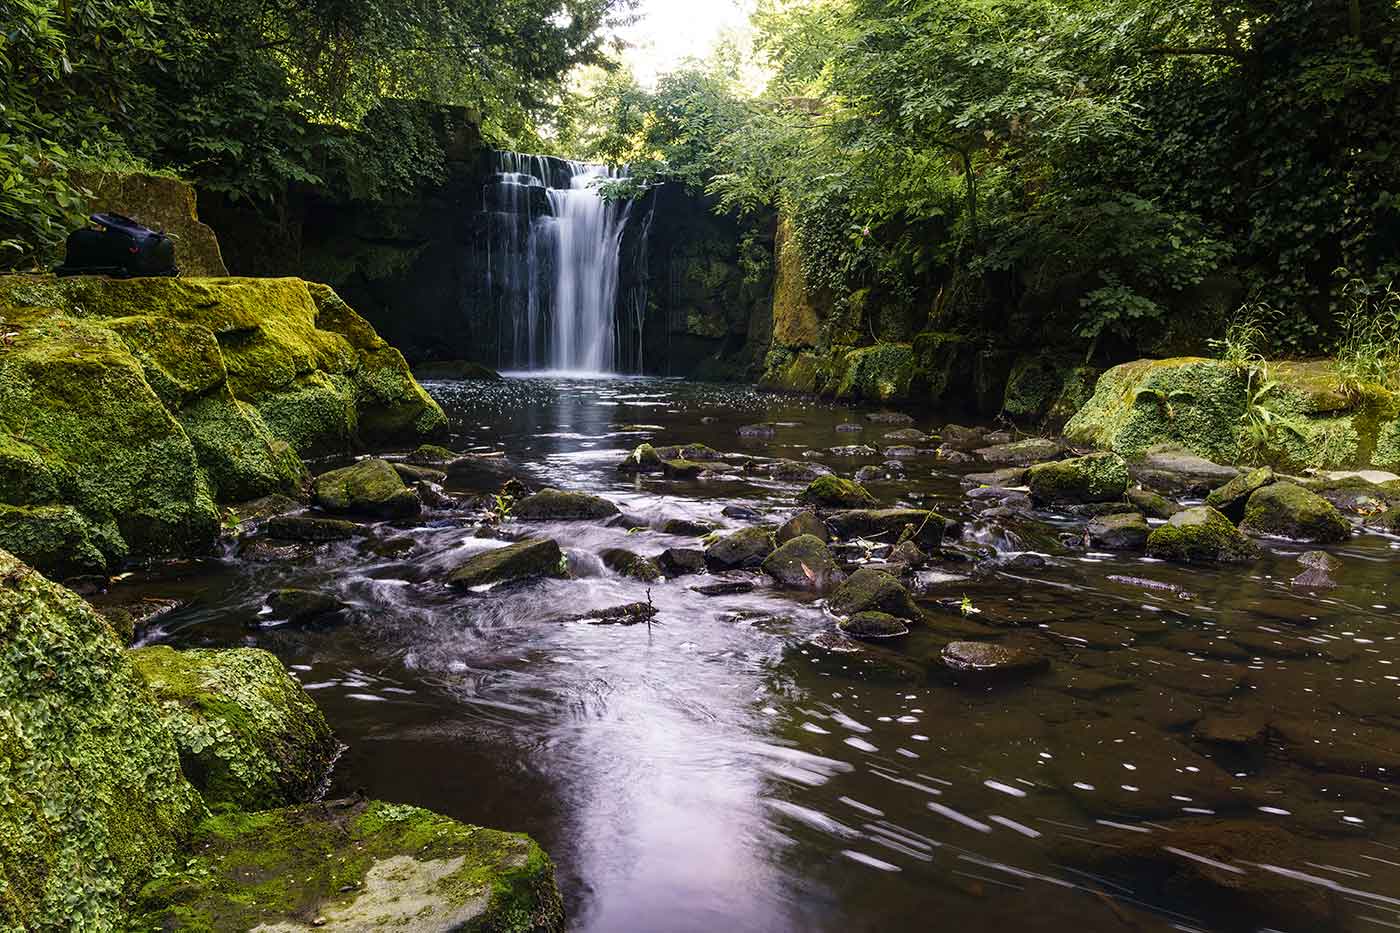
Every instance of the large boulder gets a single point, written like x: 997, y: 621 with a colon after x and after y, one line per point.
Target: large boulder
x: 804, y: 563
x: 142, y: 403
x: 354, y: 866
x: 92, y: 799
x: 1199, y: 535
x: 249, y: 736
x: 372, y: 488
x: 833, y: 492
x: 555, y: 505
x: 1101, y: 477
x: 1284, y: 510
x: 889, y: 525
x: 870, y: 590
x: 526, y: 560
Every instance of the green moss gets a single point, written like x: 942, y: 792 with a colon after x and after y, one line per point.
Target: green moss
x: 92, y: 800
x: 1034, y: 384
x: 558, y: 505
x: 314, y: 413
x: 1076, y: 388
x: 833, y: 492
x: 1199, y: 535
x: 631, y: 564
x: 249, y: 736
x: 237, y: 451
x: 25, y: 479
x: 377, y: 864
x: 938, y: 356
x: 1388, y: 446
x: 881, y: 373
x: 370, y: 487
x: 1101, y: 477
x: 52, y: 536
x: 870, y: 590
x: 531, y: 559
x: 1289, y: 511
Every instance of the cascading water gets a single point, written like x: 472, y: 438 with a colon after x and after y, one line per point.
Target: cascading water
x: 553, y: 263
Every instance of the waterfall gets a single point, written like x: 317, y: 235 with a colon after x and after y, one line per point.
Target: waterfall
x: 553, y: 263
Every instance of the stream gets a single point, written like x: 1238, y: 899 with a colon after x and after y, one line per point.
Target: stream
x: 738, y: 766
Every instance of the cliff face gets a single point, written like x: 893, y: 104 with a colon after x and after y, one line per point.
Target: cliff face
x: 130, y: 408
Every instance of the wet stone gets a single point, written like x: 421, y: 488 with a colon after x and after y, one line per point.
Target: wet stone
x: 413, y: 474
x: 302, y: 607
x: 902, y: 452
x: 873, y: 626
x: 631, y: 564
x: 554, y: 505
x: 804, y: 563
x: 1009, y: 477
x: 1022, y: 453
x: 532, y: 559
x: 1288, y: 511
x: 311, y: 528
x: 688, y: 528
x: 889, y: 417
x: 990, y: 659
x: 724, y: 588
x: 742, y: 550
x: 803, y: 523
x: 832, y: 492
x: 849, y: 427
x: 371, y: 488
x: 629, y: 614
x: 907, y: 435
x: 1231, y: 498
x: 868, y: 589
x: 742, y: 513
x: 853, y: 450
x: 1123, y: 532
x: 1151, y: 504
x: 758, y: 431
x: 679, y: 561
x: 1199, y: 535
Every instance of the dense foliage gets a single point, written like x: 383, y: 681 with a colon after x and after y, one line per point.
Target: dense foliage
x: 1123, y: 171
x: 248, y: 96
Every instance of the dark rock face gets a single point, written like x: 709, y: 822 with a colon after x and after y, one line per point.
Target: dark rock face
x: 301, y: 607
x: 889, y: 525
x: 528, y: 560
x: 555, y: 505
x: 311, y: 528
x: 804, y: 563
x: 680, y: 561
x: 1288, y: 511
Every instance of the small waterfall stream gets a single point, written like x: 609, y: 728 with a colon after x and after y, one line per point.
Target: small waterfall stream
x: 554, y: 265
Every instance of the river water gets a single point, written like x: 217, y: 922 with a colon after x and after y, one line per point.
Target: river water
x: 1206, y: 755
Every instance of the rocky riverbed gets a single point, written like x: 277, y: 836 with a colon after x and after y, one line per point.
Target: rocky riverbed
x: 745, y: 661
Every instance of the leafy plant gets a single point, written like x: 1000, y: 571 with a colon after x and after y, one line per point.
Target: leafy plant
x: 1265, y: 419
x: 1369, y: 352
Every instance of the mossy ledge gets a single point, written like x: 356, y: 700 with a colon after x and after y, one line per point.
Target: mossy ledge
x: 1302, y: 415
x: 142, y: 404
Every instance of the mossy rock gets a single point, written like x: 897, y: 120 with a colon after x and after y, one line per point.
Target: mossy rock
x: 1101, y: 477
x: 55, y: 537
x: 804, y: 563
x: 631, y: 564
x: 249, y: 736
x: 1199, y: 535
x: 869, y: 590
x: 556, y: 505
x: 372, y: 488
x: 1230, y: 499
x: 432, y: 455
x: 354, y: 866
x: 1123, y: 532
x: 873, y: 626
x: 803, y: 523
x: 1151, y: 504
x: 833, y: 492
x: 744, y: 549
x: 643, y: 459
x: 92, y: 799
x: 1287, y: 511
x: 1022, y: 453
x: 1033, y: 386
x: 882, y: 373
x: 523, y: 561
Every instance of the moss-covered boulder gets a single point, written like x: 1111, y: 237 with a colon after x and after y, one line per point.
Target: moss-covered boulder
x: 744, y: 549
x: 1151, y: 504
x: 249, y: 736
x: 55, y: 537
x: 804, y: 563
x: 92, y: 798
x: 882, y: 373
x: 1199, y: 535
x: 1215, y: 409
x: 1287, y: 511
x: 556, y: 505
x: 141, y: 403
x: 833, y: 492
x: 1229, y: 500
x: 631, y: 564
x: 353, y: 866
x: 1124, y: 532
x: 873, y: 626
x: 1101, y: 477
x: 523, y: 561
x: 870, y: 590
x: 1022, y: 453
x: 803, y: 523
x: 372, y: 488
x: 643, y: 459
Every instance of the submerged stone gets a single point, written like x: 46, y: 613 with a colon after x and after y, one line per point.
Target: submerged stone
x: 533, y: 559
x: 804, y: 563
x: 350, y: 867
x: 1288, y: 511
x: 889, y: 417
x: 990, y: 659
x: 1101, y: 477
x: 724, y: 588
x: 868, y: 589
x: 742, y: 550
x: 1230, y: 499
x: 873, y: 626
x: 555, y: 505
x: 1199, y: 535
x: 372, y: 488
x: 631, y: 564
x: 832, y: 492
x: 249, y: 736
x: 299, y: 607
